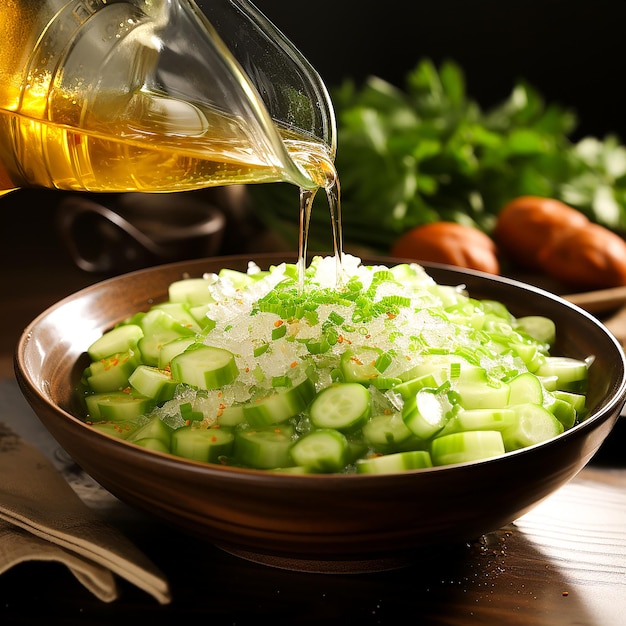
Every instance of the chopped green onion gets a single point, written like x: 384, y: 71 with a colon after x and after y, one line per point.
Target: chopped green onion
x: 279, y: 331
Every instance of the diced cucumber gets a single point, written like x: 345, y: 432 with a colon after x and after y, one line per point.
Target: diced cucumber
x: 384, y: 433
x: 173, y: 348
x: 155, y: 428
x: 117, y: 406
x: 540, y: 328
x: 394, y: 463
x: 202, y: 444
x: 524, y: 388
x: 358, y: 366
x: 153, y: 383
x: 426, y: 413
x: 322, y: 451
x: 159, y: 328
x: 204, y: 367
x: 466, y: 446
x: 534, y: 424
x: 343, y: 406
x: 483, y: 396
x: 116, y: 341
x: 264, y: 448
x: 112, y: 373
x: 280, y: 405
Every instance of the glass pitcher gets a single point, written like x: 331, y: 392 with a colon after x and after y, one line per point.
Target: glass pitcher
x: 156, y: 95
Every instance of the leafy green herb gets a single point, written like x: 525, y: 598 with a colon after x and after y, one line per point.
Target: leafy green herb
x: 429, y: 152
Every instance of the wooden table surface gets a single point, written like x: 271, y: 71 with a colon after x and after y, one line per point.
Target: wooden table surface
x: 564, y: 563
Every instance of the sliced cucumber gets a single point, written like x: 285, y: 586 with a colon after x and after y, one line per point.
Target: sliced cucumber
x: 189, y: 413
x: 200, y: 313
x: 343, y: 406
x: 467, y: 446
x: 152, y: 444
x: 264, y: 448
x: 426, y: 413
x: 153, y: 383
x: 155, y: 428
x: 577, y: 400
x: 241, y: 280
x: 534, y: 424
x: 571, y: 373
x: 532, y: 355
x: 193, y: 291
x: 483, y: 396
x: 525, y: 388
x: 485, y: 419
x: 322, y: 451
x: 180, y: 312
x: 294, y: 469
x: 549, y: 382
x: 159, y: 328
x: 203, y: 444
x: 358, y: 366
x: 112, y: 373
x: 173, y: 348
x: 117, y: 340
x: 117, y: 406
x: 204, y: 367
x: 121, y: 430
x: 394, y: 463
x: 563, y: 411
x: 541, y: 329
x: 448, y: 367
x: 232, y: 415
x: 281, y: 405
x: 384, y: 433
x: 410, y: 387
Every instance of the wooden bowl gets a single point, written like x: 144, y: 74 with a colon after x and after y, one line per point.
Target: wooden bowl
x: 325, y: 523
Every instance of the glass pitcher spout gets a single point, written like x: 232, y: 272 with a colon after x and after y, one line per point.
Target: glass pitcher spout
x: 156, y: 95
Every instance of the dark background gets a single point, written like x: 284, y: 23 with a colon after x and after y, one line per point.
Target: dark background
x: 573, y: 52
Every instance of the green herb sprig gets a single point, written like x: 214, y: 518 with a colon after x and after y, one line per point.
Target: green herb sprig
x: 429, y: 152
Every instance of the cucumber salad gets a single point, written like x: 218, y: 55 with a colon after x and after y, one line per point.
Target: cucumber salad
x: 383, y: 371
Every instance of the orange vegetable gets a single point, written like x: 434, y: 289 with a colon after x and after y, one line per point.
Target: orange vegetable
x: 529, y: 223
x: 450, y: 243
x: 592, y: 257
x: 548, y: 236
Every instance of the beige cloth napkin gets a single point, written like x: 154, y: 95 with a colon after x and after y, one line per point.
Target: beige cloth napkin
x: 42, y: 518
